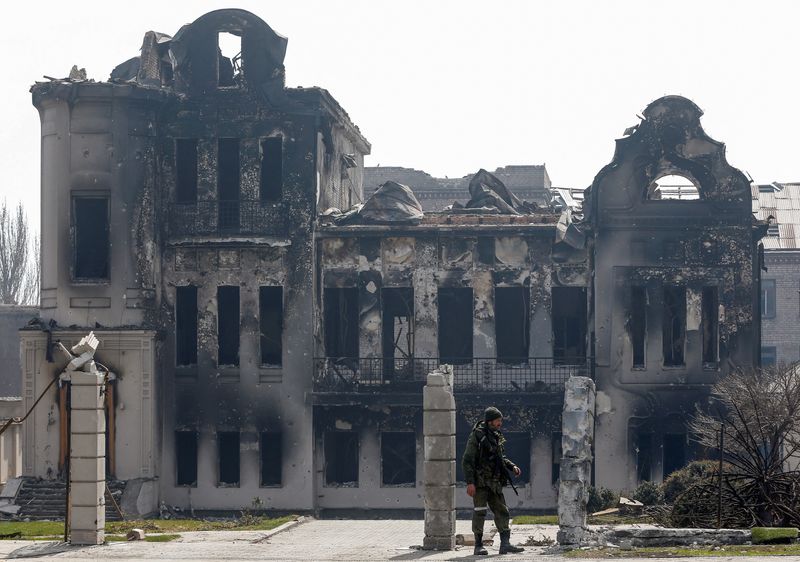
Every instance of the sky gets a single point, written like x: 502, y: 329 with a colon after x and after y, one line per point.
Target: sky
x: 453, y: 86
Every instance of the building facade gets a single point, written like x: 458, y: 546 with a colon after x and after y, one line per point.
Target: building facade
x: 261, y: 348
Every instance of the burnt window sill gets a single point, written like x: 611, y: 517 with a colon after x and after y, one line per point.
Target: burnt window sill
x: 227, y: 485
x: 407, y: 485
x: 711, y: 366
x: 640, y: 368
x: 681, y: 367
x: 270, y: 485
x: 91, y: 281
x: 340, y: 485
x: 271, y: 366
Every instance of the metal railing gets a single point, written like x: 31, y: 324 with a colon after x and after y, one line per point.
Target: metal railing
x: 243, y: 216
x: 367, y: 374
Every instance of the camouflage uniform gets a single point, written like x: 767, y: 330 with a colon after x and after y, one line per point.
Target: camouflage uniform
x: 482, y: 467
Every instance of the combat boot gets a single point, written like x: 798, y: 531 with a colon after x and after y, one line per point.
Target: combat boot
x: 479, y: 550
x: 505, y: 544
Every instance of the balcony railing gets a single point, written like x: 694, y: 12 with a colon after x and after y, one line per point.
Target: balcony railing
x: 244, y: 216
x: 374, y: 374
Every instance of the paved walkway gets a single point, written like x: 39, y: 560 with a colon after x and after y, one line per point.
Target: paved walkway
x: 326, y: 540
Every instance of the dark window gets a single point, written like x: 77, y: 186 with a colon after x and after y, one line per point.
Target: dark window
x: 398, y: 458
x: 769, y: 356
x: 674, y: 325
x: 518, y: 451
x: 341, y: 457
x: 512, y: 313
x: 462, y: 436
x: 555, y: 452
x: 674, y: 452
x: 767, y: 298
x: 186, y: 325
x: 455, y: 325
x: 271, y: 169
x: 228, y: 325
x: 398, y: 326
x: 569, y: 325
x: 644, y: 456
x: 710, y: 325
x: 186, y: 458
x: 341, y: 322
x: 186, y: 170
x: 638, y: 324
x: 228, y: 451
x: 91, y: 238
x: 270, y: 308
x: 228, y: 183
x: 271, y: 449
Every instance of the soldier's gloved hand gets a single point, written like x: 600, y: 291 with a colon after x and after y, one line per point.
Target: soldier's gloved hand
x: 471, y: 490
x: 517, y: 471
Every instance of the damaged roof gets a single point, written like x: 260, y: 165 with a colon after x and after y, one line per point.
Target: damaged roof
x: 781, y: 201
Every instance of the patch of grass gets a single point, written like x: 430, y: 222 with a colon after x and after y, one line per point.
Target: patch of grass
x: 535, y: 520
x: 30, y: 529
x: 765, y: 535
x: 147, y: 538
x: 682, y: 551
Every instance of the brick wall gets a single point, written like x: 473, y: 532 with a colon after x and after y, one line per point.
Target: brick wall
x: 783, y: 331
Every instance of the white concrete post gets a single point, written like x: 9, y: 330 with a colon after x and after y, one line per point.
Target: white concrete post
x: 439, y: 430
x: 577, y: 436
x: 87, y: 458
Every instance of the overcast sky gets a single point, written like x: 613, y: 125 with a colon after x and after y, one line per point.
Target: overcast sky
x: 452, y: 86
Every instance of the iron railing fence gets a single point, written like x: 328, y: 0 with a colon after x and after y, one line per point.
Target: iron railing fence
x: 367, y: 374
x: 243, y: 216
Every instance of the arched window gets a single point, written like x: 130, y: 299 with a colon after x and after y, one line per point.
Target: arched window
x: 673, y: 186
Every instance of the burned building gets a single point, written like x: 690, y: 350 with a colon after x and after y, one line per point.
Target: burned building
x: 265, y: 345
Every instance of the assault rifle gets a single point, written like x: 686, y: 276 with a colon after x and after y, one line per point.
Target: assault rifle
x: 498, y: 459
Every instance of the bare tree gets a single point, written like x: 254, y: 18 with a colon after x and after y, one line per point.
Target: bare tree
x: 19, y: 258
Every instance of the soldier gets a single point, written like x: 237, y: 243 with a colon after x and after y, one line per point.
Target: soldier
x: 486, y: 472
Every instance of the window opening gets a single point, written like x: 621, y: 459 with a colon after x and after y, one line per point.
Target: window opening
x: 398, y: 458
x: 228, y: 451
x: 397, y: 328
x: 674, y: 325
x: 644, y: 455
x: 769, y: 356
x: 271, y: 450
x: 270, y: 305
x: 186, y: 170
x: 569, y: 325
x: 271, y: 187
x: 341, y: 458
x: 673, y: 186
x: 455, y: 325
x: 229, y: 65
x: 228, y: 178
x: 768, y: 298
x: 710, y: 324
x: 518, y: 449
x: 341, y: 322
x: 186, y: 325
x: 512, y: 324
x: 228, y: 325
x: 555, y: 452
x: 638, y: 325
x: 186, y: 458
x: 91, y: 238
x: 674, y: 453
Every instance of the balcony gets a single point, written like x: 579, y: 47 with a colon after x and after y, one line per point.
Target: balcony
x: 244, y: 216
x: 473, y: 375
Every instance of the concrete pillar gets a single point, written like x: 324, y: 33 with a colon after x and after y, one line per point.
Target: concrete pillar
x: 577, y: 431
x: 87, y: 470
x: 439, y: 430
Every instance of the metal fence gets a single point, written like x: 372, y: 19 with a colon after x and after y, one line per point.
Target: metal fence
x: 244, y: 216
x: 366, y: 374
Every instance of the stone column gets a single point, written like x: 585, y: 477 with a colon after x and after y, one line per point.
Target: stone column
x: 87, y: 470
x: 439, y: 429
x: 577, y: 435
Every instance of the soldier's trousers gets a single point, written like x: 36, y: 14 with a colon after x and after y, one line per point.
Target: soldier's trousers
x: 486, y: 497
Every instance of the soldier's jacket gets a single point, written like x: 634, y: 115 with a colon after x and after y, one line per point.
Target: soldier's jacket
x: 483, y: 457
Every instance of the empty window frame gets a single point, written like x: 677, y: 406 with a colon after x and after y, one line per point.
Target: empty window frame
x: 674, y: 325
x: 271, y: 187
x: 229, y: 54
x: 271, y: 451
x: 455, y: 325
x: 512, y: 313
x: 769, y: 356
x: 341, y: 458
x: 91, y: 238
x: 341, y: 322
x: 638, y: 316
x: 228, y: 325
x: 186, y: 170
x: 186, y: 458
x: 228, y: 451
x: 397, y: 325
x: 186, y: 325
x: 569, y: 325
x: 644, y: 456
x: 270, y: 309
x: 768, y: 308
x: 398, y: 458
x: 228, y: 178
x: 555, y: 463
x: 710, y: 325
x: 518, y: 450
x: 674, y: 453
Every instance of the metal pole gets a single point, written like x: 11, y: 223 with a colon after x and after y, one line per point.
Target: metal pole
x: 721, y: 454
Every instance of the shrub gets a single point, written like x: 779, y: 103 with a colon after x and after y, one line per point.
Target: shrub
x: 681, y: 480
x: 649, y: 493
x: 600, y: 499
